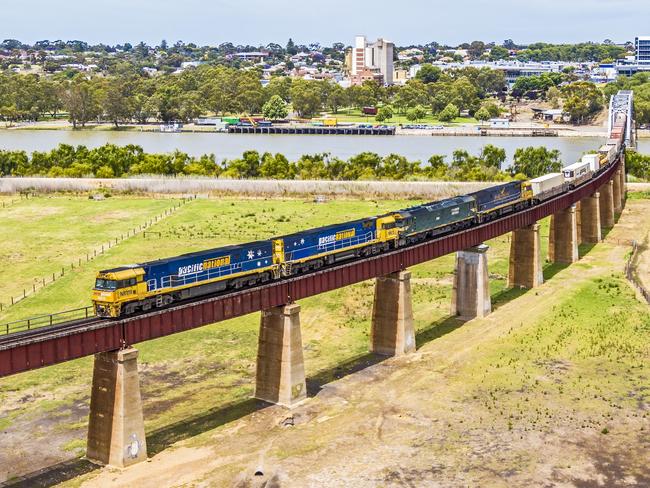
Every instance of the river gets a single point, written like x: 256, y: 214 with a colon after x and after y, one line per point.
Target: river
x: 228, y: 146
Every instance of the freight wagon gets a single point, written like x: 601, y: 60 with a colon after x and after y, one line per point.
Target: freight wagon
x: 577, y: 173
x: 547, y: 186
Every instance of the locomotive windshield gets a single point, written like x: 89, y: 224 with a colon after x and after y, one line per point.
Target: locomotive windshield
x: 109, y: 285
x: 101, y: 284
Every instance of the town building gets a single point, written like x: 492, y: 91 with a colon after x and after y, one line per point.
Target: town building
x: 642, y: 49
x: 370, y: 61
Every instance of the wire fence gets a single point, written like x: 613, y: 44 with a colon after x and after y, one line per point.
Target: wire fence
x: 40, y: 283
x: 46, y: 320
x: 630, y: 271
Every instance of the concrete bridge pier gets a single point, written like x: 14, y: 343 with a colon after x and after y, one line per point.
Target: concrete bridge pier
x: 590, y: 219
x: 116, y: 425
x: 525, y: 269
x: 392, y: 332
x: 471, y: 293
x: 579, y: 222
x: 623, y: 181
x: 563, y: 237
x: 607, y: 205
x: 280, y: 364
x: 617, y: 193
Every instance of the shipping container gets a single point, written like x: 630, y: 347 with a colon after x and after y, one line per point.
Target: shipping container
x: 593, y: 160
x: 231, y: 120
x: 577, y: 173
x: 547, y: 186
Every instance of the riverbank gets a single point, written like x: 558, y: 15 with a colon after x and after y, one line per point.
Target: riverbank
x: 515, y: 129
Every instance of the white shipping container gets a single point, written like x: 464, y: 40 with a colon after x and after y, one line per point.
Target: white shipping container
x: 593, y: 160
x: 575, y: 171
x: 614, y: 142
x: 546, y: 183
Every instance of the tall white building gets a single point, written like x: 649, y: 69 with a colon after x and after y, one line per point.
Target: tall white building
x: 642, y: 49
x: 376, y: 56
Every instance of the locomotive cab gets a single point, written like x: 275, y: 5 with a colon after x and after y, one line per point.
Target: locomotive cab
x: 115, y: 287
x: 390, y: 227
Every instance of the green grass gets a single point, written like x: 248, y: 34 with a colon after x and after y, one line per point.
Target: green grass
x: 44, y: 234
x: 589, y: 354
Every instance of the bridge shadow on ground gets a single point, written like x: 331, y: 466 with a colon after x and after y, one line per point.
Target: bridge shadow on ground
x: 52, y: 475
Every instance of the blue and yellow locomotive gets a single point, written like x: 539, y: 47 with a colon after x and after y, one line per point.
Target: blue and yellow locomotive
x: 141, y: 287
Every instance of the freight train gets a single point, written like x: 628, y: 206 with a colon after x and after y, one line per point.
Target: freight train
x: 141, y: 287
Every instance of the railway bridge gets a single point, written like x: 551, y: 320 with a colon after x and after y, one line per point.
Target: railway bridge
x: 116, y: 429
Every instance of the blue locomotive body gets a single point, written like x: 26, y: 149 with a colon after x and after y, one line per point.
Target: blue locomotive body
x: 437, y: 215
x: 330, y: 239
x: 498, y: 196
x: 198, y: 267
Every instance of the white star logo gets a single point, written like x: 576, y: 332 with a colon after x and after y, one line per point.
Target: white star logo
x: 251, y: 254
x: 259, y: 253
x: 302, y: 241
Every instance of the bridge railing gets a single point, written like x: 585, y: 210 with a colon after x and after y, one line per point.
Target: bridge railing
x: 45, y: 320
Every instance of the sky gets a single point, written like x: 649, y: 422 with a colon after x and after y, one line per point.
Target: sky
x: 258, y: 22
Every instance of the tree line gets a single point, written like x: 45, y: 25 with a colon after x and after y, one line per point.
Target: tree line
x: 111, y: 161
x: 222, y: 90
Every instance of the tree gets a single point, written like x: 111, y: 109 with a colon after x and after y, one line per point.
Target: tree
x: 275, y: 108
x: 482, y: 114
x: 306, y: 97
x: 336, y: 97
x: 81, y: 101
x: 116, y: 101
x: 428, y: 73
x: 449, y: 113
x: 553, y: 96
x: 437, y: 167
x: 281, y: 86
x: 582, y: 100
x: 497, y: 53
x: 416, y: 113
x: 536, y: 161
x: 276, y: 167
x: 384, y: 113
x: 476, y: 49
x: 492, y: 156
